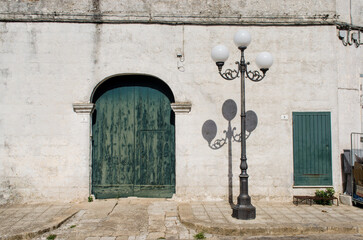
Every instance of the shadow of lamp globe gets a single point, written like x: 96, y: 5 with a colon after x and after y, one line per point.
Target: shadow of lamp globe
x: 243, y: 209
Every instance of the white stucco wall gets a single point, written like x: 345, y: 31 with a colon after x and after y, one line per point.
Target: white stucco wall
x: 349, y: 66
x: 43, y: 151
x: 350, y: 11
x: 45, y: 67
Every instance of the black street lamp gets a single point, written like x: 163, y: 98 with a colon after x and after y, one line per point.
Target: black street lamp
x: 243, y: 209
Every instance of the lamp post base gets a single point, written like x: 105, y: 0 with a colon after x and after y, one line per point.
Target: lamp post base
x: 244, y: 212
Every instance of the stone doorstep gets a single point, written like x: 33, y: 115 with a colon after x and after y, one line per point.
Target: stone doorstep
x: 187, y: 218
x: 53, y: 224
x: 345, y: 199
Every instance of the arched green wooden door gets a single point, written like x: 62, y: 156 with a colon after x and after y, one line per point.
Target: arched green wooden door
x: 133, y: 141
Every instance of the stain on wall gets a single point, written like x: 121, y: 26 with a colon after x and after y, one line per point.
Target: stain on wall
x: 8, y: 193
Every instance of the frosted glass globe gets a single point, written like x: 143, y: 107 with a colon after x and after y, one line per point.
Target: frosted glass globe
x: 220, y: 53
x: 264, y: 60
x: 242, y: 38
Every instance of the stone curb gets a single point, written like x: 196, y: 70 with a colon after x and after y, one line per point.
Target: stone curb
x: 53, y: 224
x: 187, y: 218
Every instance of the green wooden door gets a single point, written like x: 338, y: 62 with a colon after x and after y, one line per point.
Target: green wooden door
x: 312, y: 149
x: 133, y: 143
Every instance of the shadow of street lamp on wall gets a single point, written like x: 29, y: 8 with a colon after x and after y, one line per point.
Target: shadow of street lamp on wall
x: 209, y: 132
x: 243, y: 209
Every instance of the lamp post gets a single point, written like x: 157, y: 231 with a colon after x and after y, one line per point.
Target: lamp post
x: 243, y: 209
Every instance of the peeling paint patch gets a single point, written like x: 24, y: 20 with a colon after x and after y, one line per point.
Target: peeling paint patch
x: 4, y: 75
x: 8, y: 193
x: 33, y: 40
x: 96, y: 43
x: 3, y: 29
x: 6, y: 145
x: 4, y: 72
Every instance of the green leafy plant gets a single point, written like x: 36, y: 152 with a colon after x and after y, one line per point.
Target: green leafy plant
x: 325, y: 196
x: 199, y: 235
x: 90, y: 199
x: 51, y: 237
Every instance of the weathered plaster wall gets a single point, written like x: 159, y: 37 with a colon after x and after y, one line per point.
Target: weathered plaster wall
x: 43, y: 152
x: 349, y: 82
x: 350, y: 11
x: 45, y: 67
x: 349, y: 90
x: 167, y: 11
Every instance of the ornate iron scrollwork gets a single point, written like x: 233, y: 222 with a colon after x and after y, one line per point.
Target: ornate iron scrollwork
x: 230, y: 74
x: 255, y: 75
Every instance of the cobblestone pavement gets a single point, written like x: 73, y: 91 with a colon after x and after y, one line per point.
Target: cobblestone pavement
x: 310, y: 237
x: 25, y: 221
x: 124, y: 219
x: 273, y: 219
x: 297, y: 237
x: 136, y: 219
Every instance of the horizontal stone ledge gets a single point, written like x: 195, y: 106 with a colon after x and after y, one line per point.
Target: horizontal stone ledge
x: 181, y: 107
x: 173, y: 20
x: 178, y: 107
x: 83, y: 107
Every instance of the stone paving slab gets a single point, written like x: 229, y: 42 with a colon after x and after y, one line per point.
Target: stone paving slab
x: 272, y: 219
x: 142, y: 219
x: 124, y: 219
x: 29, y: 220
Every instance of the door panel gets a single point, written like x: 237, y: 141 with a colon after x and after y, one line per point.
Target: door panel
x: 131, y: 127
x: 156, y: 170
x: 312, y: 149
x: 154, y: 131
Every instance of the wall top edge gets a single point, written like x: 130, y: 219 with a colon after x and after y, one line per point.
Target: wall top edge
x: 321, y: 19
